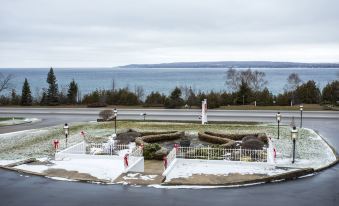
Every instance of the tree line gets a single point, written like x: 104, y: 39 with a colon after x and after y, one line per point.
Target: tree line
x: 51, y: 96
x: 244, y: 87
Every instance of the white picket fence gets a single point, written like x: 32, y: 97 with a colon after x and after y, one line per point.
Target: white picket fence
x: 210, y: 153
x: 106, y: 148
x: 84, y: 148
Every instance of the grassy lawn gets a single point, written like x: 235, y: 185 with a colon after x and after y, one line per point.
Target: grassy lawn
x: 307, y: 107
x: 10, y: 118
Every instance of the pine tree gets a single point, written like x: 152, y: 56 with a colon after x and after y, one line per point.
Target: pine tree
x: 43, y: 98
x: 15, y: 98
x: 72, y: 92
x: 52, y: 92
x: 244, y: 93
x: 26, y: 97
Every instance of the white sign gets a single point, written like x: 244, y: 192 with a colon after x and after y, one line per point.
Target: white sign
x: 204, y: 111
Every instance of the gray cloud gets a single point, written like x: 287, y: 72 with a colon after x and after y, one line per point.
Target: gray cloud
x: 77, y: 33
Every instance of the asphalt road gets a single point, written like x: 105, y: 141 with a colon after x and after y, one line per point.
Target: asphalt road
x: 320, y: 189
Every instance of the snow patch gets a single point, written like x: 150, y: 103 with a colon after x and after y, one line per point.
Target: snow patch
x: 106, y: 169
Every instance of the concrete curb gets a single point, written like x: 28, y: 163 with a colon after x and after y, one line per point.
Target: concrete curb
x: 282, y: 177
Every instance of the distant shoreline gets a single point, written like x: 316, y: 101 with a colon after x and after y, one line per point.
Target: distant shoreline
x: 234, y: 64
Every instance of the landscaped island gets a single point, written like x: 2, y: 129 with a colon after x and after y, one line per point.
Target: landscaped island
x: 175, y: 153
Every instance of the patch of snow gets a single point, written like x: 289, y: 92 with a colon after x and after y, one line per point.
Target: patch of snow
x: 7, y: 162
x: 136, y: 176
x: 185, y: 168
x: 106, y: 169
x: 61, y: 179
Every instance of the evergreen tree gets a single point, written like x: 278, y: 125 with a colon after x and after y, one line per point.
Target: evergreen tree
x: 72, y: 92
x: 52, y: 92
x: 308, y: 93
x: 15, y: 98
x: 26, y: 97
x: 244, y: 93
x: 331, y: 93
x: 174, y: 100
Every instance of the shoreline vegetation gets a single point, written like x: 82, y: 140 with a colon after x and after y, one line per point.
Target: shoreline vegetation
x: 244, y: 90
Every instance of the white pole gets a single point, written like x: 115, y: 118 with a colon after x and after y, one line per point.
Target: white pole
x: 204, y: 111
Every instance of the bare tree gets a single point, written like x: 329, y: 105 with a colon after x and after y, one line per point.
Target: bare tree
x: 5, y: 81
x: 232, y: 79
x: 254, y: 79
x: 139, y: 92
x: 186, y: 91
x: 293, y: 81
x: 258, y: 80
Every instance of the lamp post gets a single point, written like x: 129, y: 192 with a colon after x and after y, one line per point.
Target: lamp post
x: 144, y: 115
x: 294, y: 135
x: 115, y: 112
x: 278, y: 116
x: 66, y: 132
x: 301, y: 107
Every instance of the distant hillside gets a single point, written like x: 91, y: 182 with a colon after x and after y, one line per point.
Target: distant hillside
x: 239, y: 64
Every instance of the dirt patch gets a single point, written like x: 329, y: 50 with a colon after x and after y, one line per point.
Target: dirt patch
x: 201, y: 179
x: 154, y: 167
x: 74, y: 175
x: 139, y: 179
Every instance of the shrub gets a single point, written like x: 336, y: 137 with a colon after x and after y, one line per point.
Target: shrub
x: 150, y: 150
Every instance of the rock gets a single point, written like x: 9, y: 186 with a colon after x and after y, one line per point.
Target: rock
x: 185, y: 143
x: 262, y: 137
x: 249, y: 137
x: 127, y: 137
x: 253, y: 144
x: 160, y: 153
x: 230, y: 145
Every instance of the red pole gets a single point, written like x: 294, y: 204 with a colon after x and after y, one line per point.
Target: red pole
x: 165, y: 161
x: 176, y: 146
x: 126, y: 160
x: 56, y: 144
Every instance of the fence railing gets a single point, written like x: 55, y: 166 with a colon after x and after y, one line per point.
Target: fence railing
x: 171, y: 156
x: 96, y: 149
x: 105, y: 148
x: 79, y: 148
x: 210, y: 153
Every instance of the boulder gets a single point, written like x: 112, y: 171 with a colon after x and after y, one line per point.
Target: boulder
x: 249, y: 137
x: 160, y: 153
x: 185, y: 143
x: 127, y: 137
x: 253, y: 144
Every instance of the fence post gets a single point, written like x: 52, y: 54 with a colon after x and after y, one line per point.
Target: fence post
x: 240, y: 154
x: 208, y: 152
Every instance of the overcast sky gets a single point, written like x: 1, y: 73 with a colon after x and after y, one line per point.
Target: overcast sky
x: 104, y: 33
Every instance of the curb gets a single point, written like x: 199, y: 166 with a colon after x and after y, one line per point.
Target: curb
x: 282, y: 177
